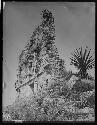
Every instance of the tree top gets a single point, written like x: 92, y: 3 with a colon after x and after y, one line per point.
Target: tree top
x: 47, y: 15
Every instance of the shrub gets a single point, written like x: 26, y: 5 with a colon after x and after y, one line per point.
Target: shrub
x: 91, y: 101
x: 80, y: 86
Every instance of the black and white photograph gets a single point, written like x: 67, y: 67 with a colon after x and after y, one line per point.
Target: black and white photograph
x: 48, y: 62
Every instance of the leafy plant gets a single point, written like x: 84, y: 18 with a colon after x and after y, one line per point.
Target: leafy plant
x: 83, y: 61
x: 80, y: 86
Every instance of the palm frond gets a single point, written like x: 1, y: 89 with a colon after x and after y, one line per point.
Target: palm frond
x: 84, y: 56
x: 87, y: 56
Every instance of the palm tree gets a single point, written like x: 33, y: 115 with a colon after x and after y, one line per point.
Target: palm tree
x: 83, y: 61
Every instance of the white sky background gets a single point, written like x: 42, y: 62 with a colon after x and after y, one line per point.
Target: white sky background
x: 75, y: 27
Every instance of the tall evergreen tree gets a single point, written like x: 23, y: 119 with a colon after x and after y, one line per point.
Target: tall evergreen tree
x: 40, y: 54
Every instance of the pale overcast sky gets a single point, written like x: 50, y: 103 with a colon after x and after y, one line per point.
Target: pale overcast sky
x: 75, y: 27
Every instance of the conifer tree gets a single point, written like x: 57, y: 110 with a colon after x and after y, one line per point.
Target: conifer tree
x: 40, y: 54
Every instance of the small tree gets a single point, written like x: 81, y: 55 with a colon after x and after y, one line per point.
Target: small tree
x: 83, y: 61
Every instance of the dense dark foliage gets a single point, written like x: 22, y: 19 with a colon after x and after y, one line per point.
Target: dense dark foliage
x: 83, y: 61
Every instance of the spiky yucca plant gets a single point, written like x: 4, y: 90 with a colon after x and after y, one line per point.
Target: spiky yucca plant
x: 83, y: 61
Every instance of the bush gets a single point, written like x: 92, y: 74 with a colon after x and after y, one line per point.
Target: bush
x: 91, y: 101
x: 52, y: 106
x: 80, y: 86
